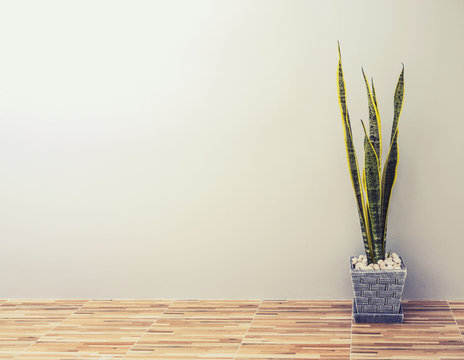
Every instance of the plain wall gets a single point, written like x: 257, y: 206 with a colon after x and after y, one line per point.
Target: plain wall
x: 194, y: 149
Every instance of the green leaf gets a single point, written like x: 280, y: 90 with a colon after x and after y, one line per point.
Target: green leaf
x: 352, y: 160
x: 371, y: 166
x: 391, y: 163
x: 398, y: 103
x: 373, y: 95
x: 374, y: 121
x: 388, y: 181
x: 370, y: 236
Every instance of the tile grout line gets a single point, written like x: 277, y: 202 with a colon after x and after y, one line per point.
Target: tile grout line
x: 246, y: 332
x: 455, y: 321
x: 49, y: 331
x: 146, y: 331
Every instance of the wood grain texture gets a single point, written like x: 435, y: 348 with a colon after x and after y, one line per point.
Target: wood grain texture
x: 299, y: 329
x: 194, y: 329
x: 23, y: 322
x: 223, y: 330
x: 457, y: 309
x: 123, y: 309
x: 85, y: 329
x: 428, y: 332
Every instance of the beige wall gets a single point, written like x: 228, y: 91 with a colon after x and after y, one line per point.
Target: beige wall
x: 195, y: 149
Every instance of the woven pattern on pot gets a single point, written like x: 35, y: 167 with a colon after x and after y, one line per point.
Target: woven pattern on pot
x: 378, y: 291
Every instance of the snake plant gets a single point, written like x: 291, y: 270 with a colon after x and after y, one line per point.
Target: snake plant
x: 373, y: 188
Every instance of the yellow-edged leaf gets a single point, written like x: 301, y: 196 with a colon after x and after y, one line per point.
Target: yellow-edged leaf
x: 371, y: 166
x: 352, y: 160
x: 375, y: 134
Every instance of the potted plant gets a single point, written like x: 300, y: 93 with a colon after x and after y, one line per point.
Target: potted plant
x: 377, y: 278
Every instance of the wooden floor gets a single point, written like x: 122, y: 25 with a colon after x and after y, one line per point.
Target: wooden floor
x: 226, y: 329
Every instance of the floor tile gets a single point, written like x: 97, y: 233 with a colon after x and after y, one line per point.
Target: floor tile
x: 428, y: 332
x: 123, y: 309
x: 93, y: 350
x: 224, y: 309
x: 7, y: 355
x: 18, y: 334
x: 22, y: 322
x: 299, y: 330
x: 223, y: 330
x: 197, y: 329
x: 457, y: 309
x: 75, y: 351
x: 90, y: 337
x: 53, y: 310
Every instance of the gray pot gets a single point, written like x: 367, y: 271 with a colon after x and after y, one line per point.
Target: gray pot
x: 378, y: 291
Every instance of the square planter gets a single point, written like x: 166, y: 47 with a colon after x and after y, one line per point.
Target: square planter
x: 373, y: 318
x: 377, y: 294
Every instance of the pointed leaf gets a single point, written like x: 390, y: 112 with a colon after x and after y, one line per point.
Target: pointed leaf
x: 351, y: 157
x: 369, y: 242
x: 391, y: 163
x: 371, y: 165
x: 370, y: 236
x: 374, y: 122
x: 388, y: 181
x: 398, y: 103
x: 373, y: 95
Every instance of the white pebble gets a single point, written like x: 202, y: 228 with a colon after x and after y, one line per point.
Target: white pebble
x: 397, y: 266
x: 389, y: 261
x: 354, y: 261
x: 376, y: 267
